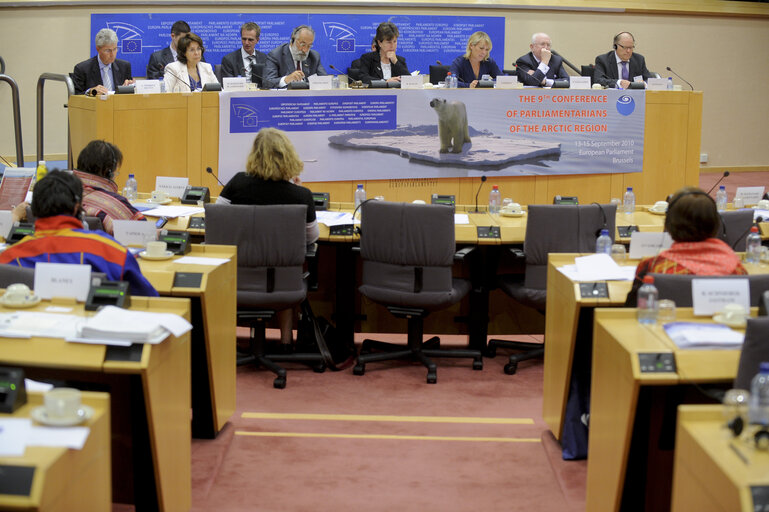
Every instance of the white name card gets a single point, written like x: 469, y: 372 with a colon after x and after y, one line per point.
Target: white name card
x: 507, y: 82
x: 412, y: 82
x: 147, y: 87
x: 579, y: 82
x: 62, y: 280
x: 134, y: 233
x: 320, y: 83
x: 648, y: 244
x: 657, y: 84
x: 750, y: 195
x: 6, y: 223
x: 174, y: 187
x: 234, y: 83
x: 709, y: 296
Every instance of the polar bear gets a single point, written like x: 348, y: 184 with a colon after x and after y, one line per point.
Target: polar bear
x: 452, y: 124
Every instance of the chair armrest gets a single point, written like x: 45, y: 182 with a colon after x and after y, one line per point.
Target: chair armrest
x: 312, y: 251
x: 464, y: 251
x: 517, y: 253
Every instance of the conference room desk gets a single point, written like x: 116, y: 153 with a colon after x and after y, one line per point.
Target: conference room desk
x: 632, y: 408
x: 56, y: 478
x: 212, y: 290
x: 150, y: 402
x: 714, y: 471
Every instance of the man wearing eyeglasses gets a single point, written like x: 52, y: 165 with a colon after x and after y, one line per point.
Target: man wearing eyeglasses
x: 293, y: 61
x: 618, y: 68
x: 102, y: 73
x: 246, y: 61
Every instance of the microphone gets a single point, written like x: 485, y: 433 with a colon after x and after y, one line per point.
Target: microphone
x: 483, y: 180
x: 334, y: 68
x: 438, y: 62
x: 679, y: 76
x: 739, y: 239
x: 211, y: 172
x: 726, y: 173
x: 179, y: 78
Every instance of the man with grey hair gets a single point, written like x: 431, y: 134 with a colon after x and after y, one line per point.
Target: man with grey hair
x: 540, y: 67
x: 293, y: 61
x: 103, y: 72
x: 246, y: 61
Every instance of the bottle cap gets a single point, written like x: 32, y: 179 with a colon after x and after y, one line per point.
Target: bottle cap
x: 41, y: 162
x: 360, y: 185
x: 648, y: 279
x: 764, y: 367
x: 131, y: 175
x: 494, y: 187
x: 630, y: 189
x: 754, y: 229
x: 604, y: 232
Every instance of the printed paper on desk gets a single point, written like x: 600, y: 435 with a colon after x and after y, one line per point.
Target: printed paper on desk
x: 320, y: 83
x: 134, y: 232
x: 412, y: 82
x: 579, y: 82
x: 14, y: 434
x: 173, y: 186
x: 750, y: 195
x: 62, y: 280
x: 234, y: 83
x: 6, y: 223
x: 709, y: 296
x: 657, y: 84
x: 507, y: 82
x: 648, y: 244
x: 147, y: 87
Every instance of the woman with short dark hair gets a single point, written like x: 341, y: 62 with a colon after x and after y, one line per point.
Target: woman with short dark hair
x: 383, y: 63
x: 189, y: 72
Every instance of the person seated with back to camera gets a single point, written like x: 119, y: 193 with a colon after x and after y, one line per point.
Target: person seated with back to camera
x: 692, y: 220
x: 470, y: 67
x: 60, y: 237
x: 382, y: 63
x: 97, y: 166
x: 189, y: 72
x: 272, y: 177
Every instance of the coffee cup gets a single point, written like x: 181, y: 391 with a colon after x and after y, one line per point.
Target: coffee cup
x: 597, y: 86
x: 733, y: 313
x: 156, y: 249
x: 159, y: 195
x: 660, y: 206
x: 763, y: 204
x: 17, y: 292
x: 512, y: 208
x: 62, y: 403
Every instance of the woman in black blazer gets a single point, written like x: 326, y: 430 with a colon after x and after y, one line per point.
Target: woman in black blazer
x: 383, y: 63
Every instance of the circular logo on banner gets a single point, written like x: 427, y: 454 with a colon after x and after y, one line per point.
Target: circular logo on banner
x: 625, y: 105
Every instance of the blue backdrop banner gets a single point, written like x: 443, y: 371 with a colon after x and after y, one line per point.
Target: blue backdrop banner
x: 339, y: 38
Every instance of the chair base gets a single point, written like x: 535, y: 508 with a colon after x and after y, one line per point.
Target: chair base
x: 530, y: 351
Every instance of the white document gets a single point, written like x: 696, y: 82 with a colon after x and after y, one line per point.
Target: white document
x: 648, y: 244
x: 412, y: 82
x: 764, y: 214
x: 461, y: 218
x: 14, y: 433
x: 134, y: 232
x: 112, y: 322
x: 173, y: 212
x: 201, y: 260
x: 709, y: 296
x: 696, y: 335
x: 34, y: 385
x: 25, y: 324
x: 174, y: 187
x: 320, y: 83
x: 579, y: 82
x: 657, y: 84
x: 334, y: 218
x: 234, y: 83
x: 6, y: 223
x: 600, y: 267
x: 62, y: 280
x: 750, y: 195
x: 70, y: 437
x: 147, y: 87
x: 506, y: 82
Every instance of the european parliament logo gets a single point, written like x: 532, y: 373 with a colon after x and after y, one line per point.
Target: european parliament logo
x: 130, y: 36
x: 343, y: 35
x: 245, y: 115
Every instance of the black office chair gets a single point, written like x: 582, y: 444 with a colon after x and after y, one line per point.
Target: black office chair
x: 408, y: 252
x: 12, y: 274
x: 549, y: 229
x: 271, y: 255
x: 438, y: 73
x: 218, y: 72
x: 735, y: 227
x: 755, y: 350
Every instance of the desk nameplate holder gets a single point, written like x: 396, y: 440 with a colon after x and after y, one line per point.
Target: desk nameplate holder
x: 489, y: 232
x: 657, y: 362
x: 594, y: 290
x: 197, y: 223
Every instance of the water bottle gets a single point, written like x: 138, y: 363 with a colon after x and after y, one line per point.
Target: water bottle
x: 721, y: 198
x: 603, y: 243
x: 670, y: 83
x: 335, y: 82
x: 131, y: 189
x: 495, y: 200
x: 42, y: 170
x: 360, y: 195
x: 753, y: 246
x: 628, y: 202
x: 758, y: 403
x: 647, y: 302
x: 450, y: 81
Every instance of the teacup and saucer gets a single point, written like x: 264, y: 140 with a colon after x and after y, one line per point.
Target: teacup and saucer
x: 159, y: 197
x: 156, y: 250
x: 19, y: 295
x: 733, y: 315
x: 660, y: 207
x: 62, y: 408
x: 511, y: 210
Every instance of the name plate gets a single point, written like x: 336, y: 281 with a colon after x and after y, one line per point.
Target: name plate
x: 174, y: 187
x: 320, y: 83
x: 750, y: 195
x: 234, y: 83
x: 412, y: 82
x: 147, y: 87
x: 648, y: 244
x: 506, y: 82
x: 657, y: 84
x: 6, y: 223
x: 579, y: 82
x: 134, y: 233
x: 62, y: 280
x: 709, y: 296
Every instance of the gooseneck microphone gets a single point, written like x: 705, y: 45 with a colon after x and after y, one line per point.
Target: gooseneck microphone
x: 483, y: 180
x: 439, y: 62
x: 741, y: 238
x: 211, y: 172
x: 726, y: 173
x: 180, y: 79
x: 679, y: 76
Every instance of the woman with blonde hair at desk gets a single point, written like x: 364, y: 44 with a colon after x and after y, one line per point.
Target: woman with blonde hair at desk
x: 470, y: 67
x: 272, y: 177
x: 188, y: 73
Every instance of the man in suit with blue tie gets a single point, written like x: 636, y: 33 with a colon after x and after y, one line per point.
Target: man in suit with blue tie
x: 540, y: 67
x: 246, y: 61
x: 102, y: 73
x: 620, y: 67
x: 293, y: 61
x: 159, y: 59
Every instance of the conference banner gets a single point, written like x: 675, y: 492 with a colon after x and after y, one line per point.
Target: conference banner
x: 376, y: 134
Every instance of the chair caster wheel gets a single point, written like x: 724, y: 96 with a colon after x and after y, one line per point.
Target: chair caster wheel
x: 491, y: 351
x: 320, y: 368
x: 359, y: 369
x: 279, y: 383
x: 511, y: 368
x: 477, y: 365
x: 432, y: 377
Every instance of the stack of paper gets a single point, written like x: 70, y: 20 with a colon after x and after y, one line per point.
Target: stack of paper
x: 597, y: 267
x: 701, y: 335
x: 113, y: 323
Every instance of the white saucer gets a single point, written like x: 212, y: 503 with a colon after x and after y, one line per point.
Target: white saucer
x: 512, y: 214
x: 155, y: 201
x: 40, y: 415
x: 656, y: 212
x: 165, y: 256
x: 31, y: 300
x: 719, y: 318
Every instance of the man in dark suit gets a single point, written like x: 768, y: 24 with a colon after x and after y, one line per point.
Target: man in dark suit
x: 293, y: 61
x: 159, y: 59
x: 246, y: 61
x: 618, y: 68
x: 540, y: 67
x: 103, y: 72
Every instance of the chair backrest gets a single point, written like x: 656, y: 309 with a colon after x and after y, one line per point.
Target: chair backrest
x: 11, y: 274
x: 218, y: 72
x: 438, y: 73
x: 678, y: 288
x: 735, y: 226
x: 94, y: 223
x: 553, y: 228
x: 257, y: 73
x: 755, y: 350
x: 271, y: 241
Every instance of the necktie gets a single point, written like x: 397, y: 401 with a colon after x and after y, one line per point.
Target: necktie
x: 625, y: 74
x: 299, y: 65
x: 250, y: 70
x: 107, y: 78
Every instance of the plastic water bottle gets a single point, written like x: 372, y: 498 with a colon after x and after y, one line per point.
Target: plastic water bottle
x: 647, y: 302
x: 451, y: 81
x: 335, y: 82
x: 753, y: 246
x: 628, y: 201
x: 495, y: 200
x: 758, y: 403
x: 42, y: 170
x: 721, y: 198
x: 360, y: 195
x: 603, y: 243
x: 670, y: 83
x: 131, y: 189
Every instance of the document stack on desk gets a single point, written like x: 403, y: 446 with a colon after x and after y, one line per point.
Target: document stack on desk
x: 113, y: 323
x: 597, y: 267
x: 702, y: 335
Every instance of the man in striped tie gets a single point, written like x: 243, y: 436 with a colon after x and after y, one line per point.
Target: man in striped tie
x: 101, y: 73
